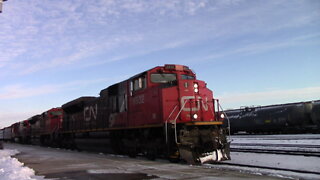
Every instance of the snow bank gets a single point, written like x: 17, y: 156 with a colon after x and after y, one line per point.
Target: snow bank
x: 12, y: 169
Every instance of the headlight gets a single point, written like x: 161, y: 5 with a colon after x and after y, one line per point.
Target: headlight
x: 195, y: 116
x: 196, y: 86
x: 222, y: 116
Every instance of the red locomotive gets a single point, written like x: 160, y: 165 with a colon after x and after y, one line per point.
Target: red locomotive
x: 50, y: 126
x: 39, y: 129
x: 162, y: 112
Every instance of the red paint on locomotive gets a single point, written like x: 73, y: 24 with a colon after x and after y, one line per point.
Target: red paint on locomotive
x: 52, y: 120
x: 157, y: 96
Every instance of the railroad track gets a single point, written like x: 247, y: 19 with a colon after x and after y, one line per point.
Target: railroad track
x: 287, y: 149
x: 270, y: 168
x: 274, y: 151
x: 278, y: 145
x: 278, y: 157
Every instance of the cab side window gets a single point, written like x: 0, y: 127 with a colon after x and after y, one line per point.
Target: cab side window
x: 138, y: 83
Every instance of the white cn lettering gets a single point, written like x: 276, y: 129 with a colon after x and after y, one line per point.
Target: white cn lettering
x: 89, y: 112
x: 185, y: 100
x: 205, y: 104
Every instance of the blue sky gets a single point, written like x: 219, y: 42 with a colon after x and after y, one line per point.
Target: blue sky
x: 249, y: 52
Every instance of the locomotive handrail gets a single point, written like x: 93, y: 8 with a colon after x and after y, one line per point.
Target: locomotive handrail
x: 166, y: 123
x: 171, y: 113
x: 175, y: 121
x: 229, y: 128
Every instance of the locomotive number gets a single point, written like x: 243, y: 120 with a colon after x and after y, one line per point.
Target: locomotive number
x: 138, y: 99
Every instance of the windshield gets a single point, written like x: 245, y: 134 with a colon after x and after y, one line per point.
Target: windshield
x: 56, y: 113
x: 186, y: 77
x: 163, y: 78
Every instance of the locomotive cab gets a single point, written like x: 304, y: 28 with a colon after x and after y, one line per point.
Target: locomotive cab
x: 187, y: 111
x: 179, y: 89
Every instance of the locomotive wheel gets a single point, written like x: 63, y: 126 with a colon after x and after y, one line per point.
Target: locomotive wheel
x: 151, y: 153
x: 188, y: 155
x: 174, y: 158
x: 132, y: 152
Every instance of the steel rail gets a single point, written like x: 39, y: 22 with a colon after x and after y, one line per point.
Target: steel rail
x: 278, y: 145
x: 270, y: 168
x: 274, y: 151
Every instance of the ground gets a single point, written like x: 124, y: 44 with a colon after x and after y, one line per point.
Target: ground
x: 68, y: 165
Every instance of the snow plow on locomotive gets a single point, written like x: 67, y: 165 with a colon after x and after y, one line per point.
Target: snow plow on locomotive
x: 164, y: 112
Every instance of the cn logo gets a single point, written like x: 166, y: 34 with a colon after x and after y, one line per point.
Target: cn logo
x: 90, y: 112
x: 199, y: 102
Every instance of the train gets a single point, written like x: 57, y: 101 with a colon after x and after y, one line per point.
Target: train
x: 163, y: 112
x: 299, y: 117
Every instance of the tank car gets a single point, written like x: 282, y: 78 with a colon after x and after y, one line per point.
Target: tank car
x: 257, y: 119
x: 164, y: 112
x: 315, y: 114
x: 282, y: 118
x: 268, y: 119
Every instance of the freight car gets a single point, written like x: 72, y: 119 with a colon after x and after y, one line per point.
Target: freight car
x: 164, y: 111
x: 315, y: 113
x: 298, y: 117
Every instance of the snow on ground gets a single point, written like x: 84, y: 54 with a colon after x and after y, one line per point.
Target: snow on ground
x: 281, y: 161
x: 302, y: 163
x: 12, y: 169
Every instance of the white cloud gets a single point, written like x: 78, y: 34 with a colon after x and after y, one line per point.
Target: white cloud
x: 260, y: 47
x: 21, y: 91
x: 56, y: 33
x: 8, y: 118
x: 18, y: 91
x: 235, y: 100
